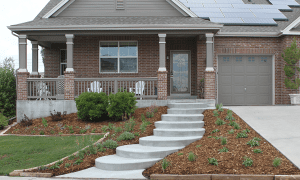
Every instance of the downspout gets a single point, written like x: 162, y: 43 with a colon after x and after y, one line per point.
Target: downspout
x: 14, y: 34
x: 16, y: 69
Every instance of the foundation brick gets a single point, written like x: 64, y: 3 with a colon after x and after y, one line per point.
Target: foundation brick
x: 22, y: 90
x: 69, y: 85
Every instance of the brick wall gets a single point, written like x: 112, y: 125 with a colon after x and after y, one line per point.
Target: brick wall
x: 69, y: 85
x: 201, y: 61
x: 22, y: 85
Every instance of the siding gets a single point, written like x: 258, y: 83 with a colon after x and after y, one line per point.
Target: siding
x: 94, y: 8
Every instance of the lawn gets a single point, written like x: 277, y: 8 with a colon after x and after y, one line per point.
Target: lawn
x: 26, y: 152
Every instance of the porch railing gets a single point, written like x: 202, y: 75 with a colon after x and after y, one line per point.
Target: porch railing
x: 148, y: 89
x: 45, y: 88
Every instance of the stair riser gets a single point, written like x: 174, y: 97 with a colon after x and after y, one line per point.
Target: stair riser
x: 159, y: 125
x: 186, y: 111
x: 165, y: 117
x: 124, y: 167
x: 144, y: 155
x: 186, y: 106
x: 167, y: 143
x: 158, y: 132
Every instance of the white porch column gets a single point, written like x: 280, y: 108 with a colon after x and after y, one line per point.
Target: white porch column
x: 209, y: 52
x: 70, y: 45
x: 35, y: 58
x: 209, y: 74
x: 162, y: 52
x: 23, y: 53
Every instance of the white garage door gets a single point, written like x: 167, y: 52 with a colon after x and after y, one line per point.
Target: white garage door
x: 245, y: 80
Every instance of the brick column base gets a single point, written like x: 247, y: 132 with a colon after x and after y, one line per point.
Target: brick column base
x: 34, y: 76
x: 162, y: 85
x: 69, y: 85
x: 209, y: 85
x: 22, y: 90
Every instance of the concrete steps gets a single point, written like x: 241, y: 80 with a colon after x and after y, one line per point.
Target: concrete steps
x: 181, y: 126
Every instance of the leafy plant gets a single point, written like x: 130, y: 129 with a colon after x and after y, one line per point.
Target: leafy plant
x: 87, y: 127
x: 215, y: 112
x: 198, y: 146
x: 94, y: 130
x: 231, y: 131
x: 229, y: 117
x: 179, y: 154
x: 248, y: 161
x: 256, y: 139
x: 41, y: 168
x: 77, y: 162
x: 104, y: 129
x: 111, y: 144
x: 216, y: 137
x: 71, y: 157
x: 93, y: 149
x: 59, y: 162
x: 143, y: 117
x: 67, y: 165
x: 257, y: 150
x: 110, y: 126
x: 136, y: 134
x: 118, y: 129
x: 42, y: 133
x: 52, y: 132
x: 291, y: 56
x: 32, y: 132
x: 219, y: 107
x: 253, y: 142
x: 152, y: 109
x: 81, y: 154
x: 214, y: 131
x: 209, y: 137
x: 223, y: 140
x: 101, y: 147
x: 213, y: 161
x: 192, y: 156
x: 130, y: 125
x: 234, y: 124
x: 125, y: 136
x: 241, y: 135
x: 82, y: 131
x: 223, y: 150
x: 44, y: 121
x: 60, y: 133
x: 220, y: 122
x: 26, y: 121
x: 165, y: 164
x: 246, y: 131
x: 57, y: 115
x: 3, y: 120
x: 276, y: 162
x: 121, y: 104
x: 55, y: 166
x: 150, y: 114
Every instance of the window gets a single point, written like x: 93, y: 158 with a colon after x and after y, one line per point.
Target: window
x: 238, y: 59
x: 63, y: 61
x: 118, y: 57
x: 264, y: 59
x: 225, y: 59
x: 120, y: 4
x: 251, y: 59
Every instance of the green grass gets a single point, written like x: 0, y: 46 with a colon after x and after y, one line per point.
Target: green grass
x: 26, y: 152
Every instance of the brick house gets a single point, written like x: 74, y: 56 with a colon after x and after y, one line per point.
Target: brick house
x: 168, y: 44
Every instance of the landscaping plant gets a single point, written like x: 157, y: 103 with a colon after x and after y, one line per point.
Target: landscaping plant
x: 231, y: 131
x: 291, y: 56
x: 223, y: 150
x: 130, y: 125
x: 165, y: 164
x: 215, y: 112
x: 3, y: 120
x: 214, y: 131
x: 213, y: 161
x: 223, y: 140
x: 220, y: 122
x: 44, y: 121
x: 253, y: 142
x: 257, y: 150
x: 179, y: 154
x: 276, y: 162
x: 192, y: 156
x: 219, y: 107
x: 125, y: 136
x: 57, y: 116
x: 241, y: 135
x: 248, y: 161
x: 111, y: 144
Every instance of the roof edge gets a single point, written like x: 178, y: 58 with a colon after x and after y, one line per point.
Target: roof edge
x: 287, y: 30
x: 184, y: 8
x: 56, y: 8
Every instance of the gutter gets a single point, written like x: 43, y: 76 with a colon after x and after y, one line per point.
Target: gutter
x: 248, y: 34
x: 14, y: 34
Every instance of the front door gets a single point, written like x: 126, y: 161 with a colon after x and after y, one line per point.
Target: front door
x: 180, y: 72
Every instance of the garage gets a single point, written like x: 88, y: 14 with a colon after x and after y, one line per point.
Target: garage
x: 245, y: 80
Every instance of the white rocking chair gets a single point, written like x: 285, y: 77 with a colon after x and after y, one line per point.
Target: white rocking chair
x: 95, y: 87
x: 139, y: 88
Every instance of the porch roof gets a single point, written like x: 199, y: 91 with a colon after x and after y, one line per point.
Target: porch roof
x: 116, y: 23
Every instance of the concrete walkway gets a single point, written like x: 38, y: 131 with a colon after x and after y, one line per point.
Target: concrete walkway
x: 280, y: 125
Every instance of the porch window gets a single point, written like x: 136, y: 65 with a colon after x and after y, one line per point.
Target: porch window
x: 118, y: 57
x: 63, y: 61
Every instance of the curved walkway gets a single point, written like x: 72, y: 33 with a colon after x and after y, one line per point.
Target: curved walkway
x: 280, y: 125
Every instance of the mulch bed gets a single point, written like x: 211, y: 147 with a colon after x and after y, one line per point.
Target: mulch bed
x: 230, y: 162
x: 89, y: 160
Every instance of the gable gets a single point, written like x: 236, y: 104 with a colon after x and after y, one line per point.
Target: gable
x: 106, y: 8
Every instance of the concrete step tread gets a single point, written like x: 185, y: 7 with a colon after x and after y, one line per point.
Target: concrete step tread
x: 186, y: 103
x: 183, y: 115
x: 139, y: 148
x: 178, y: 122
x: 115, y: 159
x: 162, y: 138
x: 181, y: 130
x: 187, y: 109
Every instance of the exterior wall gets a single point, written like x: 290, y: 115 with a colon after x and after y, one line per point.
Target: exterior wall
x: 201, y: 61
x: 183, y: 43
x: 52, y: 62
x: 92, y: 8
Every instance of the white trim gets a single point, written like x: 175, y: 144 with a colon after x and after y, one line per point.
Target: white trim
x: 22, y: 36
x: 69, y: 36
x: 162, y: 42
x: 56, y: 8
x: 162, y: 35
x: 209, y: 69
x: 22, y: 70
x: 23, y: 43
x: 69, y: 70
x: 287, y: 30
x: 185, y: 9
x: 177, y: 8
x: 34, y: 73
x: 162, y: 69
x: 292, y: 33
x: 273, y: 80
x: 209, y: 42
x: 209, y: 35
x: 71, y: 43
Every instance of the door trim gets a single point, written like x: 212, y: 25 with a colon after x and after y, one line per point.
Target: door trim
x: 273, y: 72
x: 189, y: 69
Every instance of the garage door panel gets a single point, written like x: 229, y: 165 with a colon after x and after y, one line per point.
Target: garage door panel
x: 264, y: 80
x: 251, y: 99
x: 239, y: 90
x: 251, y: 80
x: 226, y: 69
x: 251, y: 69
x: 238, y: 80
x: 251, y: 90
x: 227, y: 99
x: 238, y: 99
x: 226, y: 90
x: 264, y: 100
x: 226, y: 80
x: 239, y: 69
x: 264, y: 69
x: 263, y: 90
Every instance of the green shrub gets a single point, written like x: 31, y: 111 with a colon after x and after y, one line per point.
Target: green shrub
x: 213, y: 161
x: 125, y: 136
x: 192, y: 156
x: 276, y: 162
x: 253, y: 142
x: 247, y: 161
x: 55, y: 166
x: 150, y: 114
x: 179, y: 154
x: 93, y: 149
x: 214, y: 131
x: 94, y: 130
x: 52, y: 132
x: 257, y: 150
x: 246, y: 131
x: 223, y: 150
x: 110, y: 126
x: 121, y: 103
x: 91, y: 105
x: 81, y: 154
x: 256, y: 139
x: 8, y: 95
x: 219, y: 107
x: 77, y: 162
x: 136, y: 134
x: 101, y: 147
x: 215, y: 112
x: 165, y: 164
x: 42, y: 133
x: 59, y: 162
x: 234, y: 124
x: 104, y: 129
x: 44, y: 121
x: 67, y: 165
x: 231, y: 131
x: 82, y: 131
x: 71, y: 157
x: 3, y: 120
x: 143, y: 117
x: 241, y: 135
x: 130, y: 125
x: 223, y: 140
x: 118, y: 129
x: 111, y: 144
x: 220, y: 122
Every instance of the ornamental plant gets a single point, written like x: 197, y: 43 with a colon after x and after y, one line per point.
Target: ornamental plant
x: 165, y: 164
x: 248, y: 161
x: 291, y: 56
x: 3, y: 120
x: 276, y: 162
x: 213, y: 161
x: 192, y: 156
x: 125, y: 136
x: 121, y: 104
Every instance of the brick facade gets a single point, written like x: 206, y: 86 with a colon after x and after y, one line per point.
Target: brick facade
x: 86, y: 57
x: 22, y: 90
x: 209, y: 85
x: 162, y: 85
x: 69, y: 85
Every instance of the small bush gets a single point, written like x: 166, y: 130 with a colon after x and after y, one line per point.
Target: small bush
x: 136, y: 134
x: 101, y: 147
x: 223, y: 140
x: 214, y: 131
x: 179, y: 154
x: 42, y: 133
x: 55, y: 166
x: 32, y: 132
x: 276, y: 162
x: 165, y: 164
x: 257, y: 150
x: 105, y: 129
x: 220, y: 122
x: 87, y: 127
x: 217, y: 137
x: 41, y: 168
x: 215, y: 112
x: 111, y: 144
x: 67, y: 165
x: 150, y: 114
x: 152, y: 109
x: 91, y: 105
x: 59, y: 162
x: 223, y: 150
x: 192, y: 156
x: 110, y: 126
x: 256, y: 139
x: 209, y: 137
x: 125, y: 136
x: 3, y: 120
x: 213, y: 161
x: 248, y: 161
x: 52, y: 132
x: 143, y: 117
x: 121, y: 104
x: 44, y: 121
x: 231, y: 131
x: 94, y: 130
x: 229, y: 117
x: 241, y: 135
x: 93, y: 149
x: 130, y: 125
x: 252, y: 143
x: 234, y: 124
x: 71, y: 157
x: 81, y: 154
x: 26, y: 121
x: 246, y: 131
x: 82, y: 131
x: 77, y: 162
x: 219, y: 107
x: 57, y: 116
x: 118, y: 129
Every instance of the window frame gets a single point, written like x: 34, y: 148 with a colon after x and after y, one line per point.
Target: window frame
x: 118, y: 57
x: 60, y: 63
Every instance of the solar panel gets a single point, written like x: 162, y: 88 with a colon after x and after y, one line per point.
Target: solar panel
x: 240, y: 15
x: 277, y: 17
x: 227, y: 20
x: 218, y: 5
x: 206, y: 10
x: 229, y: 1
x: 247, y: 6
x: 259, y: 21
x: 209, y: 15
x: 264, y: 11
x: 285, y: 2
x: 234, y: 10
x: 280, y: 7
